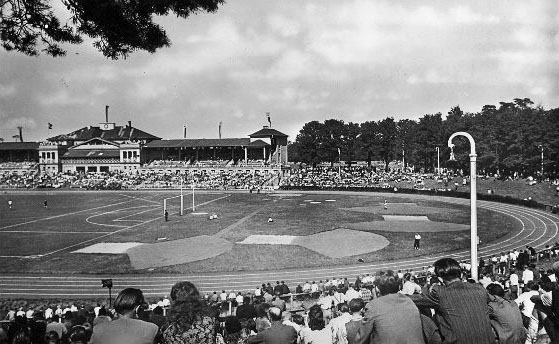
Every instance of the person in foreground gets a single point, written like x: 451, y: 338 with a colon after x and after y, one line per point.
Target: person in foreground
x: 128, y: 328
x: 392, y: 317
x: 191, y: 320
x: 278, y: 333
x: 462, y: 309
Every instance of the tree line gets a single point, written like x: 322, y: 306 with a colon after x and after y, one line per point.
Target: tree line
x: 509, y: 140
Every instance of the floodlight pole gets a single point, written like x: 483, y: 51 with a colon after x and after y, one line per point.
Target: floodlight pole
x: 473, y: 200
x: 541, y: 149
x: 193, y: 195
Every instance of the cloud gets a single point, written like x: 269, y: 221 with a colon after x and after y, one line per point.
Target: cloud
x: 7, y: 90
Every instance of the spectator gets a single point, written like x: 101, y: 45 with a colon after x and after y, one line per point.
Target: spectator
x: 78, y: 335
x: 191, y: 321
x: 337, y: 325
x: 505, y: 316
x: 410, y: 287
x: 234, y: 332
x: 53, y: 325
x: 246, y: 310
x: 277, y: 333
x: 129, y: 304
x: 317, y: 333
x: 525, y: 303
x: 52, y: 337
x: 461, y: 308
x: 387, y: 315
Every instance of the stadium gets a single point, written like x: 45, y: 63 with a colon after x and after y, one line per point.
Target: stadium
x: 394, y: 200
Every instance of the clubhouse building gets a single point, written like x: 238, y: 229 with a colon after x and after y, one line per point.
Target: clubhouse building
x: 112, y: 148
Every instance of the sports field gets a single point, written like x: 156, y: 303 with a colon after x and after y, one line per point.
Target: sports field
x: 121, y: 232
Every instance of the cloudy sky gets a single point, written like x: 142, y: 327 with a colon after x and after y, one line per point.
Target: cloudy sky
x: 354, y: 60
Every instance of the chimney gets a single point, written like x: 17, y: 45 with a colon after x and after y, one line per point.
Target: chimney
x: 129, y: 124
x: 20, y: 133
x: 106, y: 114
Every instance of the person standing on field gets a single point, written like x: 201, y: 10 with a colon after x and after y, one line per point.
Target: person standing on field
x: 416, y: 241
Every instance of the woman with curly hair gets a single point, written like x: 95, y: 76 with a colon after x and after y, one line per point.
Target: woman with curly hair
x: 191, y: 321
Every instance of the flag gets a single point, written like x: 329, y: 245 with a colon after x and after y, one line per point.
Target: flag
x: 220, y: 123
x: 269, y: 120
x: 15, y: 137
x: 184, y: 129
x: 50, y: 125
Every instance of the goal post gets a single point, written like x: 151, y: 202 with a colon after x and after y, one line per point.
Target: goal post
x: 174, y: 205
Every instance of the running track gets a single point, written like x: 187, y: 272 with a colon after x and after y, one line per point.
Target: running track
x: 539, y: 228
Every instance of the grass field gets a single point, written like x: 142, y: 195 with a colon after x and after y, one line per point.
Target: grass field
x: 37, y: 239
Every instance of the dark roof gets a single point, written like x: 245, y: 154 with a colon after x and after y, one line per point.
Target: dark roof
x: 6, y: 146
x: 258, y: 143
x: 119, y: 133
x: 191, y: 143
x: 92, y: 153
x: 267, y: 132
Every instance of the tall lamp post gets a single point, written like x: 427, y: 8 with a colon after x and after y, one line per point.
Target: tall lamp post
x: 541, y: 150
x: 473, y: 199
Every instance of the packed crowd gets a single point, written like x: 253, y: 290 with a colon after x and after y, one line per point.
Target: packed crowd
x: 513, y: 302
x: 202, y: 179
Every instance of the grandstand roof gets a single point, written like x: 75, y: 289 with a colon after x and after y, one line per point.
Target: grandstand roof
x: 191, y: 143
x: 92, y: 153
x: 267, y: 132
x: 119, y: 133
x: 19, y: 146
x: 258, y: 143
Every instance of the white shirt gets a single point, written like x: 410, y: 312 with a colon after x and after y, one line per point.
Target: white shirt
x: 351, y: 294
x: 524, y: 299
x: 239, y: 299
x: 513, y: 279
x: 417, y: 237
x: 314, y: 287
x: 306, y: 287
x: 257, y: 292
x: 48, y: 313
x: 527, y: 275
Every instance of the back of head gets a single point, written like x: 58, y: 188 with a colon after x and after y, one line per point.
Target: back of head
x: 78, y: 335
x: 127, y: 300
x: 186, y: 303
x: 388, y: 284
x: 274, y: 313
x: 356, y: 305
x: 495, y: 289
x: 343, y: 307
x: 51, y: 337
x: 232, y: 325
x: 447, y: 269
x: 316, y: 318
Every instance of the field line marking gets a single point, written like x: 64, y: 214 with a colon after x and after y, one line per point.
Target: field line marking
x: 62, y: 215
x: 138, y: 213
x: 99, y: 237
x: 55, y: 232
x: 229, y: 228
x: 141, y: 199
x: 88, y: 219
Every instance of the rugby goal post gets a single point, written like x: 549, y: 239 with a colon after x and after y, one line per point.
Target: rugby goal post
x: 174, y: 205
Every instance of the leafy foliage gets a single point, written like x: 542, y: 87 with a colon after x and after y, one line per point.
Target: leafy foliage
x: 120, y: 27
x: 509, y: 140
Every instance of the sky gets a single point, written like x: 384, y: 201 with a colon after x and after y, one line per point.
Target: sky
x: 355, y: 60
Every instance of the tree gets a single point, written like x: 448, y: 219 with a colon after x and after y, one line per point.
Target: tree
x: 308, y: 142
x: 119, y: 27
x: 387, y: 135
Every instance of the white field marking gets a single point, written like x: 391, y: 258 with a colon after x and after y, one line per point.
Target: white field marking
x: 53, y: 232
x: 142, y: 199
x: 405, y: 218
x: 329, y: 200
x: 315, y: 202
x: 122, y: 229
x: 108, y: 247
x: 197, y: 213
x: 88, y: 219
x: 62, y: 215
x: 135, y: 214
x: 263, y: 239
x: 307, y: 200
x: 101, y: 236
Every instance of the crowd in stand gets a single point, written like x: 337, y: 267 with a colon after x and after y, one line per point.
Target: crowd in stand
x: 202, y: 179
x: 513, y: 302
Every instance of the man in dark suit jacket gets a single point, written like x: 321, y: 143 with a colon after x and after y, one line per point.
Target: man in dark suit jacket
x: 278, y: 333
x: 462, y: 309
